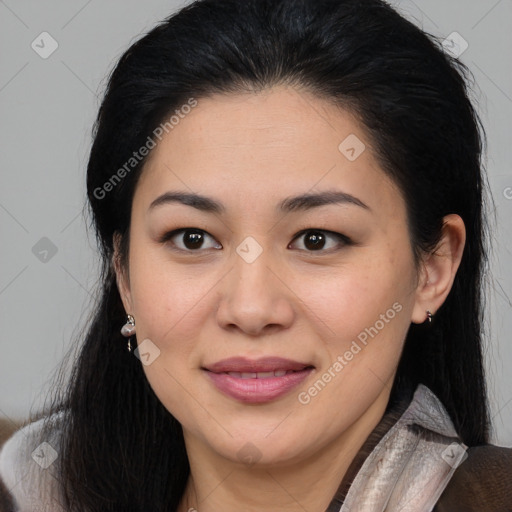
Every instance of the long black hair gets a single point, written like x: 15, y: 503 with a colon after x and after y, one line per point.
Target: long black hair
x: 122, y: 450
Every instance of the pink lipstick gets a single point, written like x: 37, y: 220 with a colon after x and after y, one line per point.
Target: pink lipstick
x: 259, y: 380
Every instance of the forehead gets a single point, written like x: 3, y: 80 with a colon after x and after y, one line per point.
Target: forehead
x: 265, y: 146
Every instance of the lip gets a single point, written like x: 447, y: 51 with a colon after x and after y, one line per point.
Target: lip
x: 264, y: 364
x: 257, y: 390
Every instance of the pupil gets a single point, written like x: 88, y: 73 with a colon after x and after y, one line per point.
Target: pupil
x: 193, y: 239
x: 315, y: 240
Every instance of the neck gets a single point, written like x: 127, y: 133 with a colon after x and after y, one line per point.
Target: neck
x: 313, y: 484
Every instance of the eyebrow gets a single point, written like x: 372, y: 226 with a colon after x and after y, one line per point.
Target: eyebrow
x: 301, y: 202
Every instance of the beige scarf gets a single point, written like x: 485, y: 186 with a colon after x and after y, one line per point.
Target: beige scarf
x: 410, y: 465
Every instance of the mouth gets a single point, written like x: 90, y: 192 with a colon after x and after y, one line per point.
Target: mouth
x: 262, y: 368
x: 261, y: 375
x: 257, y: 381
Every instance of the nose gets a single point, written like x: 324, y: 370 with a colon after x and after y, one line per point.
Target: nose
x: 254, y: 299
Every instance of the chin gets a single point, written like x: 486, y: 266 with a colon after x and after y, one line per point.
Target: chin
x: 260, y: 451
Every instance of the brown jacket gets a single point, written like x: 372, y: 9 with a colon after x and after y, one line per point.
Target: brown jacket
x: 482, y: 482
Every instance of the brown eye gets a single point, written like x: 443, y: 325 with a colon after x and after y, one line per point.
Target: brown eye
x: 190, y: 239
x: 314, y: 240
x: 318, y: 240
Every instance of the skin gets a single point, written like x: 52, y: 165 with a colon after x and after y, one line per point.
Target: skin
x: 249, y: 152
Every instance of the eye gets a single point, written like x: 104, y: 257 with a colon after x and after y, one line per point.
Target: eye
x: 315, y: 240
x: 189, y: 239
x: 318, y: 240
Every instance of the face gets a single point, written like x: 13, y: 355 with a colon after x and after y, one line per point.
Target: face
x: 327, y: 281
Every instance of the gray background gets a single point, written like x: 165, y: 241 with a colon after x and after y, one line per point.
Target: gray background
x: 47, y: 108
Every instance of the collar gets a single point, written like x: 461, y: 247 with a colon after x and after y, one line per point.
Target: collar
x: 411, y: 464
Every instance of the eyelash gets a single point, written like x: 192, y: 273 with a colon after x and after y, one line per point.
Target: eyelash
x: 343, y: 240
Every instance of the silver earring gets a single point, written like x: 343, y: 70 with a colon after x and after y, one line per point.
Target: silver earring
x: 429, y: 317
x: 128, y: 330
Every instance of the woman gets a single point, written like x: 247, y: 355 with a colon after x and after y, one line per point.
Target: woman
x: 288, y: 198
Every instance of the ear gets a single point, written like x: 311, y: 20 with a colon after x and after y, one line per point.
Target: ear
x: 121, y: 271
x: 439, y: 269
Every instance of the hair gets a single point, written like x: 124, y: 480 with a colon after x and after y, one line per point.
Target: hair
x: 122, y: 450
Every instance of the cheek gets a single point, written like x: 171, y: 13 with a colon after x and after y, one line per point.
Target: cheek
x: 170, y: 307
x: 367, y: 315
x: 167, y: 298
x: 167, y: 302
x: 354, y: 297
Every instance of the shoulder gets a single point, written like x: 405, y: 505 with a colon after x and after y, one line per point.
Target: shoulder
x: 29, y: 462
x: 482, y: 482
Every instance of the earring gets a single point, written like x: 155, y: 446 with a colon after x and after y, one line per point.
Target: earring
x: 128, y: 330
x: 429, y: 316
